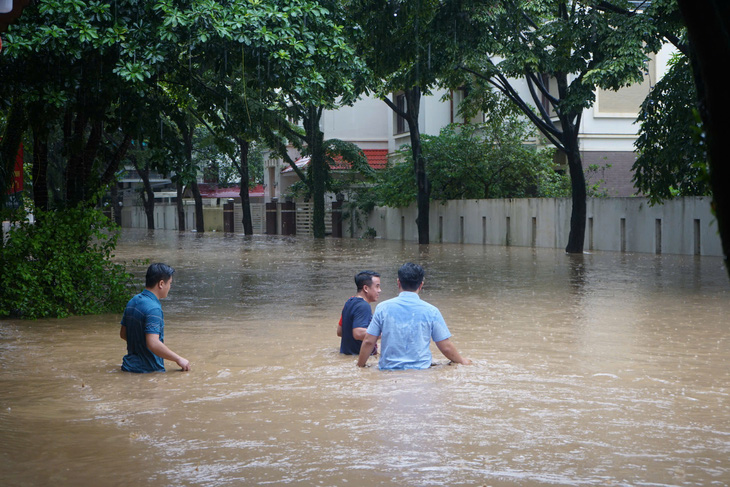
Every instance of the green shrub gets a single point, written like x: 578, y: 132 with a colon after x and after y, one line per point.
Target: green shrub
x: 61, y: 265
x: 475, y: 161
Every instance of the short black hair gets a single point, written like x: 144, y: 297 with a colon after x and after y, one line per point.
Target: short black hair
x: 158, y: 272
x: 365, y: 278
x: 410, y: 276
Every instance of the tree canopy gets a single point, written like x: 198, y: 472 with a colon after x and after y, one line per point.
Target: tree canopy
x: 91, y: 81
x: 564, y: 51
x: 672, y: 158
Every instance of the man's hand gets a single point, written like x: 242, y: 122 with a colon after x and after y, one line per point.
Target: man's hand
x: 183, y: 363
x: 161, y: 350
x: 451, y: 353
x: 366, y: 349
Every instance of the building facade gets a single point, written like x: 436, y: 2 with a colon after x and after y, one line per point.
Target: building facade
x: 607, y: 132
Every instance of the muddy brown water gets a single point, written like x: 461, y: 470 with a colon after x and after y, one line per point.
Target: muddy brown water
x: 601, y: 369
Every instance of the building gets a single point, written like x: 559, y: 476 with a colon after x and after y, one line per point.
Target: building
x: 607, y: 132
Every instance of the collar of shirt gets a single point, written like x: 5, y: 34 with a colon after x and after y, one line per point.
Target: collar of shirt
x: 150, y: 294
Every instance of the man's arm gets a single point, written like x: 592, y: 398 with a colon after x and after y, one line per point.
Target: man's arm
x: 161, y: 350
x: 450, y: 352
x: 359, y: 333
x: 123, y: 333
x: 339, y: 330
x: 361, y: 320
x: 366, y: 349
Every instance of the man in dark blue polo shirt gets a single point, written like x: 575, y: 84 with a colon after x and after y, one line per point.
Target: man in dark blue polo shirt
x: 143, y: 325
x: 356, y: 313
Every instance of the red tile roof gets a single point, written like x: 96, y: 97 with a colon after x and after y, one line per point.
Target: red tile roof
x: 377, y: 158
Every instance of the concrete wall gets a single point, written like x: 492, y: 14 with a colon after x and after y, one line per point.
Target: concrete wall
x: 133, y: 216
x: 681, y: 226
x: 166, y: 217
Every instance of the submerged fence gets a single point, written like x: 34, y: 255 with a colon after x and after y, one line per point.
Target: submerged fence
x: 681, y: 226
x: 165, y: 217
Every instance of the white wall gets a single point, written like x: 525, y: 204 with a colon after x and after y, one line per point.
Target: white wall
x: 166, y: 217
x: 365, y: 123
x: 681, y: 226
x: 133, y: 216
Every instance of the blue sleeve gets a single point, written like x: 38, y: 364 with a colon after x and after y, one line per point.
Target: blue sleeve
x: 361, y: 315
x: 153, y: 321
x: 439, y: 330
x: 376, y: 324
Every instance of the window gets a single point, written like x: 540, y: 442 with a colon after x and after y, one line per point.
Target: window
x: 626, y: 102
x: 457, y: 98
x: 400, y: 123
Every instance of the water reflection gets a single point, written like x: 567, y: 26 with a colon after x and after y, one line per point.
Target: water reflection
x: 601, y: 369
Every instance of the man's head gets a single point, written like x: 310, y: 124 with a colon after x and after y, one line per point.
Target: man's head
x: 159, y: 279
x: 368, y: 285
x: 410, y: 276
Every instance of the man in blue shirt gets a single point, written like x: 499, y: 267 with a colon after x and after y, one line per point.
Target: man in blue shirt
x: 143, y: 325
x: 356, y: 313
x: 406, y: 326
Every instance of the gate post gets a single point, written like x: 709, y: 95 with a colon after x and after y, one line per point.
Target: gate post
x: 271, y: 217
x: 337, y: 217
x: 228, y: 225
x: 289, y: 218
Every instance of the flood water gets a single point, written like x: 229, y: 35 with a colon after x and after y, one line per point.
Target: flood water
x: 601, y: 369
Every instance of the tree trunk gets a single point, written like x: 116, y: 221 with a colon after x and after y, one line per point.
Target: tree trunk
x: 576, y: 238
x: 81, y: 159
x: 180, y: 207
x: 708, y: 22
x: 148, y: 195
x: 318, y: 168
x: 187, y: 131
x: 110, y: 172
x: 40, y: 167
x: 413, y: 103
x: 199, y: 223
x: 149, y: 208
x: 245, y: 200
x: 116, y: 210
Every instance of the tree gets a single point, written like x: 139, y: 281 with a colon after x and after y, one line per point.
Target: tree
x: 708, y: 24
x: 672, y: 157
x: 293, y: 55
x: 475, y: 161
x: 62, y: 267
x: 143, y: 162
x: 74, y: 73
x: 407, y: 46
x: 563, y: 51
x: 329, y: 76
x: 77, y: 68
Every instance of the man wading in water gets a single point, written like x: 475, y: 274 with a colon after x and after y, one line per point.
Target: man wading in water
x: 407, y: 325
x: 356, y: 313
x: 143, y: 325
